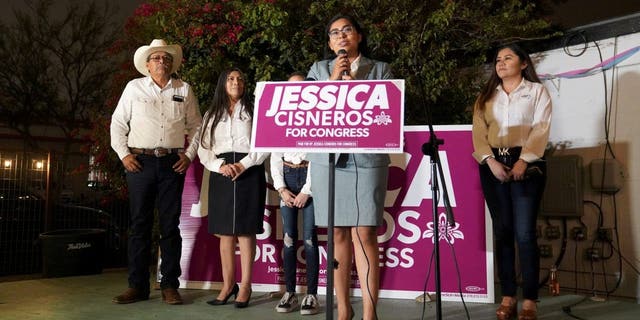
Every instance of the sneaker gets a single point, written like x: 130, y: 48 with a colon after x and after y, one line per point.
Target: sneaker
x: 310, y: 305
x: 288, y: 302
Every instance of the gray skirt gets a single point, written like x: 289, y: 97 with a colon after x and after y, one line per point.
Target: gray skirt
x: 359, y: 195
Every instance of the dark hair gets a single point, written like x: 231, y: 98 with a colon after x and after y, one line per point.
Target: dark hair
x: 528, y: 73
x: 362, y: 46
x: 297, y: 73
x: 221, y: 103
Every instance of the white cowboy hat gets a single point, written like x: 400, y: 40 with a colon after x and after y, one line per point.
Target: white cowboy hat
x: 141, y: 55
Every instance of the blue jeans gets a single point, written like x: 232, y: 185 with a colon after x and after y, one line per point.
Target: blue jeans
x: 514, y: 209
x: 294, y: 179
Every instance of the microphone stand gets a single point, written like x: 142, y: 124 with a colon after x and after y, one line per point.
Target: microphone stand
x: 430, y: 148
x: 331, y: 263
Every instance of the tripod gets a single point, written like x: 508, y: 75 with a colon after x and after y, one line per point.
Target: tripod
x: 430, y: 148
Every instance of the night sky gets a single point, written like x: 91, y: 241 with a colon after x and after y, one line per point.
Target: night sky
x: 574, y: 13
x: 570, y: 14
x: 125, y: 8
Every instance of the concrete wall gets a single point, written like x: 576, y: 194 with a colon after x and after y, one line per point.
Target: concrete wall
x: 579, y: 109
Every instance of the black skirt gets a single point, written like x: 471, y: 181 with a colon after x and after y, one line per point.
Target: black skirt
x: 237, y: 207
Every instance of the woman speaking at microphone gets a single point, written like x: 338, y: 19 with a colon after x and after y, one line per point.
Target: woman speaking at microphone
x: 360, y: 179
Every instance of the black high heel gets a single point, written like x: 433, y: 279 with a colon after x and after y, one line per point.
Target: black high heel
x: 244, y: 304
x: 217, y: 302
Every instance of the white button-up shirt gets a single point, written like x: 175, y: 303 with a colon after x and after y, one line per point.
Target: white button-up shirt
x: 149, y: 117
x: 521, y: 118
x: 277, y: 171
x: 232, y: 134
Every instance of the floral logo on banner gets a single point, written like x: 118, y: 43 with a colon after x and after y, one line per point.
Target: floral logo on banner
x: 382, y: 118
x: 445, y: 232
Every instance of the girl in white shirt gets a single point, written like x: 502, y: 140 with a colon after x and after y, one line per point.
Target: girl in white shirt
x: 511, y: 122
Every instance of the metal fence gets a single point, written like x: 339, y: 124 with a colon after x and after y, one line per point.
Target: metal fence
x: 26, y: 211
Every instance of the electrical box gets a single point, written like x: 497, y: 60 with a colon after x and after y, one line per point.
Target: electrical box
x: 606, y: 175
x: 552, y: 232
x: 563, y: 195
x: 546, y: 250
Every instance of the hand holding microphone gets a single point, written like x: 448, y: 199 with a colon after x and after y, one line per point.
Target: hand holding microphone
x: 342, y: 63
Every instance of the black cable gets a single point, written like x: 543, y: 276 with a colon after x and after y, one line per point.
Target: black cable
x: 593, y: 244
x: 563, y: 249
x: 426, y: 282
x: 608, y: 102
x: 607, y: 123
x: 575, y: 267
x: 607, y: 106
x: 364, y: 252
x: 608, y: 244
x: 600, y: 213
x: 558, y: 261
x: 571, y: 37
x: 431, y: 260
x: 593, y: 276
x: 582, y: 222
x: 458, y: 277
x: 455, y: 258
x: 604, y: 279
x: 613, y: 248
x: 628, y: 262
x: 567, y: 309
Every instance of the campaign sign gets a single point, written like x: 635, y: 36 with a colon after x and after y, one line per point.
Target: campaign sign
x: 364, y: 116
x: 405, y: 239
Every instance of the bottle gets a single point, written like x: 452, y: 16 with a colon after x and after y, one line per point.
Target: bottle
x: 554, y: 285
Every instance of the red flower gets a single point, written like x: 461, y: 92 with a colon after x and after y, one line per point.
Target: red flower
x: 211, y: 28
x: 145, y: 10
x: 197, y: 32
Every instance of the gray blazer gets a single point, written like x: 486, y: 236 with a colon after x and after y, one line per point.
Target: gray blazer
x: 368, y: 69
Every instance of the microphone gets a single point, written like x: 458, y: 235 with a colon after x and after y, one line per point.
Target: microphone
x: 343, y: 52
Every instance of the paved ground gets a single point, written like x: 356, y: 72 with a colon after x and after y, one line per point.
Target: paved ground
x: 89, y: 297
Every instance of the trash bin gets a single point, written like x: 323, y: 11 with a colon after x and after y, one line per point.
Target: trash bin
x: 72, y: 252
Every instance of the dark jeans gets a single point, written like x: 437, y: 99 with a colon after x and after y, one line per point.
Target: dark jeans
x: 294, y: 179
x: 156, y: 184
x: 514, y: 209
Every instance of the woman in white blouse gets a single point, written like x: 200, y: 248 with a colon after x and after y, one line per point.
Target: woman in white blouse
x: 237, y: 184
x: 511, y: 122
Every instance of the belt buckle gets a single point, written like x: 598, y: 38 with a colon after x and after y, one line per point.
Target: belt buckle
x: 503, y: 151
x: 156, y: 152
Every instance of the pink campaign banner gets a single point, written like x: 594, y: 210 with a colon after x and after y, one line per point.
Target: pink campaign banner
x: 406, y: 237
x: 325, y: 116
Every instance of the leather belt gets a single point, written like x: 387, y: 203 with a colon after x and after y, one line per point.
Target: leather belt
x: 157, y: 152
x: 302, y: 164
x: 507, y: 156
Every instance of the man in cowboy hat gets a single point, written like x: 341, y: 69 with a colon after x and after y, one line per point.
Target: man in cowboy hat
x: 148, y: 130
